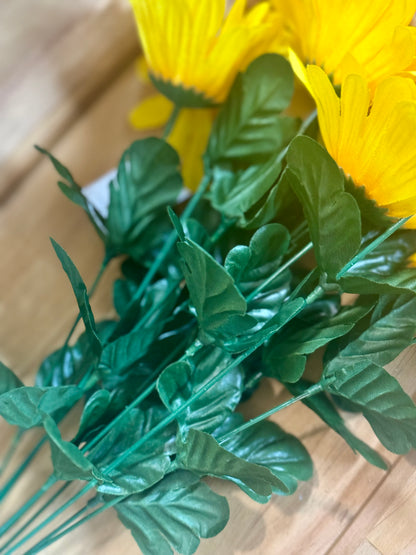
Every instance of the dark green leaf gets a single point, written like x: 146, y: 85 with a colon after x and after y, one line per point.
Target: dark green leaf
x: 285, y: 355
x: 389, y: 410
x: 201, y: 453
x: 220, y: 307
x: 8, y: 379
x: 268, y: 445
x: 81, y: 295
x: 391, y: 330
x: 333, y: 215
x: 148, y: 180
x: 370, y: 283
x: 68, y: 461
x: 248, y: 123
x: 94, y: 410
x: 69, y: 364
x: 74, y: 192
x: 181, y: 380
x: 174, y: 515
x: 250, y: 266
x: 25, y: 406
x: 235, y: 193
x: 286, y: 312
x: 270, y: 205
x: 322, y: 405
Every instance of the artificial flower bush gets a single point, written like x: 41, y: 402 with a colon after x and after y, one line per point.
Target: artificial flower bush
x: 214, y: 294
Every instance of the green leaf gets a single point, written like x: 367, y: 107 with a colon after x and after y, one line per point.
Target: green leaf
x: 69, y: 364
x: 270, y: 205
x: 145, y: 466
x: 74, y: 192
x: 156, y: 306
x: 8, y: 379
x: 81, y: 295
x: 389, y: 410
x: 250, y: 266
x: 94, y: 409
x: 148, y: 180
x: 333, y: 215
x: 68, y: 461
x: 370, y: 283
x: 220, y: 307
x: 25, y: 406
x: 248, y: 123
x: 266, y: 444
x: 181, y: 380
x: 285, y: 354
x: 201, y: 453
x: 234, y: 193
x: 323, y: 406
x: 286, y: 312
x: 174, y: 515
x: 391, y: 330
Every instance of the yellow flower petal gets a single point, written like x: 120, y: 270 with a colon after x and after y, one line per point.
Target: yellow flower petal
x: 191, y: 44
x: 151, y: 113
x: 367, y: 37
x: 190, y: 137
x: 374, y: 143
x: 328, y: 106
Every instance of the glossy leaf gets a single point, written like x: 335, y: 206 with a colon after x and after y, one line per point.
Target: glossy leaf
x: 201, y: 453
x: 285, y: 355
x: 389, y: 410
x: 181, y: 380
x: 148, y: 180
x: 250, y: 266
x: 68, y: 365
x: 268, y: 445
x: 323, y: 406
x: 94, y: 409
x: 370, y: 283
x: 286, y: 312
x: 220, y: 307
x: 248, y: 123
x: 234, y: 193
x: 391, y: 330
x: 81, y: 295
x: 68, y: 461
x: 25, y: 406
x: 330, y: 211
x: 74, y: 192
x: 8, y: 379
x: 173, y: 515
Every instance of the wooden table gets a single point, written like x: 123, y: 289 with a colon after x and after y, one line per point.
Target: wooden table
x: 67, y: 81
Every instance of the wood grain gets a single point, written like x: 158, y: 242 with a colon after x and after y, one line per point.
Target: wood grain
x: 87, y: 60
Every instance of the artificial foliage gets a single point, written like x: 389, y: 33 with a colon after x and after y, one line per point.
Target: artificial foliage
x: 214, y: 295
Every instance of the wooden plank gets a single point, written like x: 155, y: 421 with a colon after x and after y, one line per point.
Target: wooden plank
x: 59, y: 59
x: 387, y: 520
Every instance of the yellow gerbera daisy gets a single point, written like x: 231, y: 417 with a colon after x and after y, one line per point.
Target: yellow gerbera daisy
x: 375, y: 146
x: 190, y: 45
x: 368, y: 37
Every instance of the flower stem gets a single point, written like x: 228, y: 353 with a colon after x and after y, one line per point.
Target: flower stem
x: 36, y: 515
x: 374, y: 244
x: 12, y: 449
x: 128, y: 319
x: 279, y: 271
x: 171, y: 121
x: 64, y: 529
x: 313, y: 390
x: 17, y: 474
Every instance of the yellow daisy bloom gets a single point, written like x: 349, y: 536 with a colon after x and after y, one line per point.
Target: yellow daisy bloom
x: 372, y: 140
x: 367, y: 37
x: 190, y: 45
